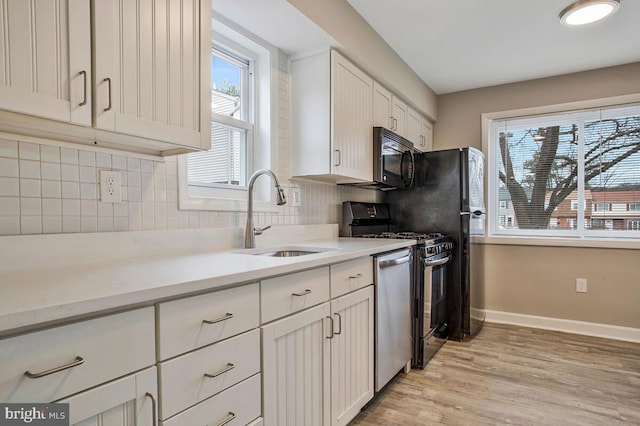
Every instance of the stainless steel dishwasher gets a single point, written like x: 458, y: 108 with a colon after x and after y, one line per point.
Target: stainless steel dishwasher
x: 393, y: 314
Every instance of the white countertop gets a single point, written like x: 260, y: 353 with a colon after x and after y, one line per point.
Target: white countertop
x: 39, y: 296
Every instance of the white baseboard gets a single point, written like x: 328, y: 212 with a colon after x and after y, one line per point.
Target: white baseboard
x: 606, y: 331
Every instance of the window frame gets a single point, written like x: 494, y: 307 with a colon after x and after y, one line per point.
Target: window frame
x: 263, y: 135
x: 592, y: 238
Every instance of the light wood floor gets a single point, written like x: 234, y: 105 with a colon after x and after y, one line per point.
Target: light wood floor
x: 517, y: 376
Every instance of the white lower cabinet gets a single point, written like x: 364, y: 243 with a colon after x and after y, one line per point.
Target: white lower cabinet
x: 351, y: 355
x: 295, y: 356
x: 238, y: 405
x: 318, y: 364
x: 130, y: 401
x: 191, y: 378
x: 51, y: 364
x: 209, y: 358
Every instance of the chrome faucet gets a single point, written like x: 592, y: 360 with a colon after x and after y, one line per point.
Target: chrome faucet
x: 250, y: 231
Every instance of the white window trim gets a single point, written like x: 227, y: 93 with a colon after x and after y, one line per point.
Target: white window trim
x: 265, y: 136
x: 557, y: 238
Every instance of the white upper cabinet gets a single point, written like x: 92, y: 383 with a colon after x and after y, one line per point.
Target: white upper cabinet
x: 45, y: 59
x: 426, y: 135
x: 382, y: 107
x: 399, y: 115
x: 332, y: 119
x: 389, y: 111
x: 414, y: 127
x: 148, y: 67
x: 133, y: 75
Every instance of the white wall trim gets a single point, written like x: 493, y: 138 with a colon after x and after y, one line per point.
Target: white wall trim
x: 606, y: 331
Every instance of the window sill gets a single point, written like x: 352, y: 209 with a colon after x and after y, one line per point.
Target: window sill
x: 613, y: 243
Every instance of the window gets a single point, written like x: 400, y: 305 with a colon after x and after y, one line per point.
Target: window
x: 231, y: 124
x: 244, y: 118
x: 563, y: 174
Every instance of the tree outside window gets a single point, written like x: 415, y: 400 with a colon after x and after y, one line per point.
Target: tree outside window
x: 545, y: 167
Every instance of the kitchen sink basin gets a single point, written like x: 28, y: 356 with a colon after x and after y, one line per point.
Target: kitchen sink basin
x: 287, y: 253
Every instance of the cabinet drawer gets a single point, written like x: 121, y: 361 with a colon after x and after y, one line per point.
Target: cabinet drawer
x: 182, y: 325
x: 241, y: 401
x: 104, y: 348
x: 183, y: 380
x: 352, y: 275
x: 291, y: 293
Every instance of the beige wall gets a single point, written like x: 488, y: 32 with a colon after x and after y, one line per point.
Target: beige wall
x: 536, y: 280
x: 366, y: 48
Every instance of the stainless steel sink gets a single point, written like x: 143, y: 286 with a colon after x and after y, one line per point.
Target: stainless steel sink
x: 287, y: 253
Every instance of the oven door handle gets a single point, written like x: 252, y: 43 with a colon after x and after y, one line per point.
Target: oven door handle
x: 437, y: 262
x: 394, y: 262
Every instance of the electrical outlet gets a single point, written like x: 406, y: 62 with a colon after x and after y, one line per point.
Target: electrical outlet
x: 110, y: 186
x: 294, y: 197
x: 581, y: 285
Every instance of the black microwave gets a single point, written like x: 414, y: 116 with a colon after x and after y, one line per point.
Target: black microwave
x: 393, y: 161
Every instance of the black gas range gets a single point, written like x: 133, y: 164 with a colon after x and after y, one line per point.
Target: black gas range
x: 432, y: 253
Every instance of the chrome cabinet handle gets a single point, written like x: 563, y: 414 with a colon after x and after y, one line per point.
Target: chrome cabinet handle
x: 330, y: 328
x: 79, y: 360
x: 226, y: 316
x: 304, y: 293
x: 353, y: 277
x: 339, y: 162
x: 153, y: 407
x: 227, y: 419
x: 339, y: 323
x: 83, y: 73
x: 220, y: 372
x: 394, y: 126
x: 108, y: 80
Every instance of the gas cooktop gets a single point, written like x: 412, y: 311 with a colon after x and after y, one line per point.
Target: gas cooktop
x: 419, y: 236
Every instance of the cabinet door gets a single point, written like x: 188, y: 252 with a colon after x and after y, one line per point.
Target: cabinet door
x: 130, y: 401
x: 351, y: 94
x: 295, y: 357
x: 426, y: 135
x: 381, y: 107
x: 153, y: 69
x: 351, y: 355
x: 399, y: 114
x: 45, y: 59
x: 414, y: 127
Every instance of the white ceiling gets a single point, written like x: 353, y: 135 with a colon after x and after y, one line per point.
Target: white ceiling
x: 277, y: 22
x: 456, y: 45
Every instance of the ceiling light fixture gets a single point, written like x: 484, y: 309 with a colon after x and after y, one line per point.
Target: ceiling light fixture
x: 586, y: 11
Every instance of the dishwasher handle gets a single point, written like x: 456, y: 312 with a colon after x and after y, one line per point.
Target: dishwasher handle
x: 394, y: 262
